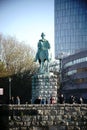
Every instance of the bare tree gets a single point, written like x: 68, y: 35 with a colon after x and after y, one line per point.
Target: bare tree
x: 18, y: 56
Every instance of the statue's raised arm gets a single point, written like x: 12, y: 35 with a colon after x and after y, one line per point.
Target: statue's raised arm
x: 42, y: 54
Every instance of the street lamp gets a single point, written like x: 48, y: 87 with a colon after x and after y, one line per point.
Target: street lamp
x: 9, y: 89
x: 60, y: 57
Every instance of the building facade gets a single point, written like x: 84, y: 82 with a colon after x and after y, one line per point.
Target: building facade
x: 70, y: 26
x: 74, y: 75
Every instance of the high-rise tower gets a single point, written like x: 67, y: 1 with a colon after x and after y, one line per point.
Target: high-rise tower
x: 70, y: 26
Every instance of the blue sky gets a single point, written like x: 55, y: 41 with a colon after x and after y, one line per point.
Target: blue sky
x: 27, y: 19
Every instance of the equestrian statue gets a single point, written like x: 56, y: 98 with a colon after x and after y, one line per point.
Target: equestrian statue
x: 42, y: 54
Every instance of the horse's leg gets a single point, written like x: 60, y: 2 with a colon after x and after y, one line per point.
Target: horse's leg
x: 42, y: 66
x: 47, y: 66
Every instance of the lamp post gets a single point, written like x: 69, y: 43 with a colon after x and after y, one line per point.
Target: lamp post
x: 60, y: 68
x: 9, y: 89
x: 60, y: 57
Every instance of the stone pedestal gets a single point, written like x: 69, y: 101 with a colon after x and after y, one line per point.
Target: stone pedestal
x: 44, y: 86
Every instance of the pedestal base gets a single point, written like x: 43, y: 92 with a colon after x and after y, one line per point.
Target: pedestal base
x: 44, y: 87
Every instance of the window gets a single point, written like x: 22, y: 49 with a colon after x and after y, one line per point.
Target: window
x: 75, y: 61
x: 71, y: 72
x: 81, y: 70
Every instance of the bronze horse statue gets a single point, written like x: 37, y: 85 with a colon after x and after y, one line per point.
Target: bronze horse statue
x: 42, y: 54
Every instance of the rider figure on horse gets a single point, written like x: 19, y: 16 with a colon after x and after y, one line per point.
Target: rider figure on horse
x: 43, y: 46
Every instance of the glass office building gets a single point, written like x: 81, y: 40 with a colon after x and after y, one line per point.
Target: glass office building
x: 74, y: 75
x: 70, y: 26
